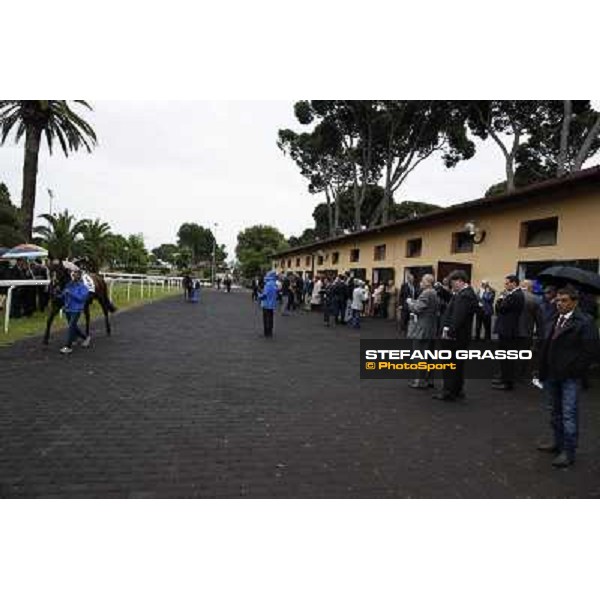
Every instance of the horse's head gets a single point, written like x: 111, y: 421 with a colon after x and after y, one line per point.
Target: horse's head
x: 59, y: 276
x: 86, y: 264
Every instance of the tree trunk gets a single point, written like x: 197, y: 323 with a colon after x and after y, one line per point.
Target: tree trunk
x: 376, y: 215
x: 357, y: 214
x: 33, y: 136
x: 336, y: 212
x: 357, y: 205
x: 510, y: 175
x: 564, y: 138
x: 387, y: 193
x: 585, y: 147
x: 509, y: 158
x: 329, y: 213
x: 510, y: 162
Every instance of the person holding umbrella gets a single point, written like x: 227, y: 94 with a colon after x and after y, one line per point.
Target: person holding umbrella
x: 571, y: 345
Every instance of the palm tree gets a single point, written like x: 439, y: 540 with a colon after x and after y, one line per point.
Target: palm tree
x: 96, y: 242
x: 57, y: 121
x: 61, y: 236
x: 10, y: 220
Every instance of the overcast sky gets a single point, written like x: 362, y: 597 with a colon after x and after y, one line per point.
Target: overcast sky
x: 159, y: 164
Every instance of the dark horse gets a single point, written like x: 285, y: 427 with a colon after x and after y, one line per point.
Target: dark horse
x: 59, y: 277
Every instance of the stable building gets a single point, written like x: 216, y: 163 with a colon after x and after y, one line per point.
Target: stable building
x: 523, y: 232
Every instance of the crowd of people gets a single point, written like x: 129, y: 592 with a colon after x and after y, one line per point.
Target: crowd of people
x: 558, y: 325
x: 343, y: 299
x: 26, y: 301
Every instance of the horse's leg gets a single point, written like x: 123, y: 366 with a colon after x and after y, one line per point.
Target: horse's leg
x: 86, y: 312
x: 105, y: 303
x: 54, y: 308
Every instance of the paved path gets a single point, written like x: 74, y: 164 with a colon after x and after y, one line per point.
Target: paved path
x: 189, y: 401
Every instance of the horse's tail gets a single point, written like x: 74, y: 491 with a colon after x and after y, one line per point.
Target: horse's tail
x: 102, y: 293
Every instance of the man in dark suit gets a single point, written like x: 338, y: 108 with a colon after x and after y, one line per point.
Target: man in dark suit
x: 457, y: 324
x: 548, y: 306
x: 509, y: 307
x: 570, y: 346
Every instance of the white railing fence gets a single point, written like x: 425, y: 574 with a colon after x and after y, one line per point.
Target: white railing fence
x: 11, y: 285
x: 147, y: 284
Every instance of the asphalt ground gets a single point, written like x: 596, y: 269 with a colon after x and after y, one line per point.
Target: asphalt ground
x: 189, y: 400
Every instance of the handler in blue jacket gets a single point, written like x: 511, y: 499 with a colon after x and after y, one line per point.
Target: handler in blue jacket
x: 268, y: 299
x: 74, y: 296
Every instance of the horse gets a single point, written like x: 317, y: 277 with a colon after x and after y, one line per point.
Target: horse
x: 59, y: 277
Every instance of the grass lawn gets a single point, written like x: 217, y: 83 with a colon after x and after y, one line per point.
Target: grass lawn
x: 35, y: 325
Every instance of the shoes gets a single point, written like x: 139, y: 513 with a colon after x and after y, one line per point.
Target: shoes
x: 502, y: 386
x: 549, y: 447
x: 496, y: 381
x: 562, y: 461
x: 66, y: 350
x: 417, y: 386
x: 86, y: 342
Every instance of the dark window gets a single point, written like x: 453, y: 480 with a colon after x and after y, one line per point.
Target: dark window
x: 320, y: 259
x: 354, y: 255
x: 531, y: 269
x: 462, y: 241
x: 289, y: 262
x: 541, y: 232
x: 380, y: 276
x: 414, y: 247
x: 379, y: 253
x: 283, y: 262
x: 297, y: 262
x: 335, y: 257
x: 307, y: 261
x: 359, y: 273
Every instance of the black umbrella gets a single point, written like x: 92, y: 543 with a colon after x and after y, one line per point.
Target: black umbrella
x: 586, y: 281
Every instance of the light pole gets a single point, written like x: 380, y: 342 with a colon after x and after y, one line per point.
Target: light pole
x: 214, y: 255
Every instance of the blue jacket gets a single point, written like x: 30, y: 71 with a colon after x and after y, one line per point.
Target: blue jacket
x: 75, y: 295
x: 268, y: 297
x: 487, y: 302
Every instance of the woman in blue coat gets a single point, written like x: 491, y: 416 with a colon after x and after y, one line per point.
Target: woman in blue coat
x: 74, y: 296
x: 268, y: 302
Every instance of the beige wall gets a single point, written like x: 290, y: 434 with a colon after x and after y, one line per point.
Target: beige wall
x: 578, y: 238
